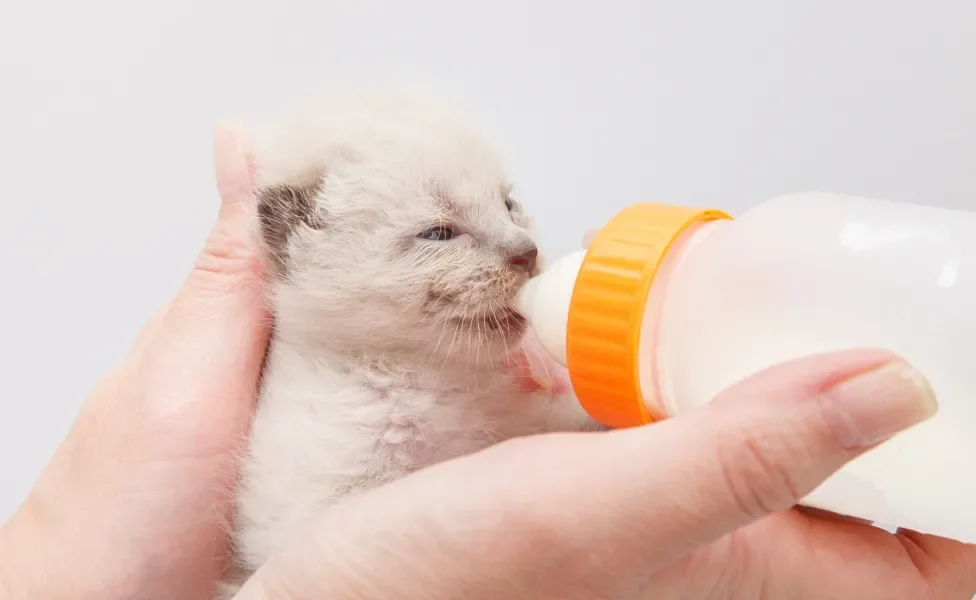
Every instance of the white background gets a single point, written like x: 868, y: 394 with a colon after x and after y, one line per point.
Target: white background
x: 106, y: 109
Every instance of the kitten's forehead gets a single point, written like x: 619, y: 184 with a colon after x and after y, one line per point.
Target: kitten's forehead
x: 461, y: 191
x: 454, y: 161
x: 427, y: 134
x: 456, y: 168
x: 381, y: 158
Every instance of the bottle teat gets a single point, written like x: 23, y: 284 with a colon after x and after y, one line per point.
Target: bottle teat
x: 545, y: 301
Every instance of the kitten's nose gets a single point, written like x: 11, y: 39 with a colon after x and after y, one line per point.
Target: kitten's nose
x: 525, y: 258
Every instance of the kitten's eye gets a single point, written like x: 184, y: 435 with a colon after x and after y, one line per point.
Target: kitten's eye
x: 438, y: 234
x: 509, y: 204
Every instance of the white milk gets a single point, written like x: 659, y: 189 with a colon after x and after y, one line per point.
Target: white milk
x: 801, y: 275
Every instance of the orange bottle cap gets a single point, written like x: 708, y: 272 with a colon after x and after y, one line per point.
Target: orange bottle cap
x: 607, y: 308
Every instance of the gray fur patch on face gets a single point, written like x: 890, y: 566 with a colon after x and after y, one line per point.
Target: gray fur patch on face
x: 349, y: 193
x: 282, y: 208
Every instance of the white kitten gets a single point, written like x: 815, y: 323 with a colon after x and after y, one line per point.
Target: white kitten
x: 396, y: 251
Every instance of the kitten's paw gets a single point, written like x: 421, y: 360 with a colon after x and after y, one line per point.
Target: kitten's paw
x: 536, y: 372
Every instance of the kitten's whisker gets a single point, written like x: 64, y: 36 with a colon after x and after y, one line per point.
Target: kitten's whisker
x: 440, y: 337
x: 498, y: 327
x: 457, y: 330
x: 477, y: 355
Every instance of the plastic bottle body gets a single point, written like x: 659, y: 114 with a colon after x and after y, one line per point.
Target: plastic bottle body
x: 814, y: 273
x: 802, y: 275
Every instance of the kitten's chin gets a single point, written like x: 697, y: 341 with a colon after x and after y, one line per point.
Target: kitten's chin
x: 505, y: 324
x: 484, y: 337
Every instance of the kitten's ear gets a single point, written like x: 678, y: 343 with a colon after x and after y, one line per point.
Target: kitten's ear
x: 297, y: 149
x: 286, y: 154
x: 283, y: 209
x: 293, y: 156
x: 290, y: 168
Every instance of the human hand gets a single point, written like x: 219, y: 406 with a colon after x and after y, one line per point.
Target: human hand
x: 134, y: 502
x: 698, y: 506
x: 163, y: 429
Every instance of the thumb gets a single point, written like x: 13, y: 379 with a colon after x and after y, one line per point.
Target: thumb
x: 225, y: 282
x: 214, y: 333
x: 776, y: 437
x: 759, y: 448
x: 228, y: 269
x: 647, y: 496
x: 608, y: 508
x: 224, y: 286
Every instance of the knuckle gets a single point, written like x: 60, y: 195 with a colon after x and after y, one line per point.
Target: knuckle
x: 226, y: 256
x: 757, y: 473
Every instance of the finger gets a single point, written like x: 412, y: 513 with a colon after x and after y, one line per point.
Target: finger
x: 228, y: 268
x: 225, y: 282
x: 946, y: 563
x: 150, y: 331
x: 650, y: 495
x: 768, y: 442
x: 819, y: 514
x: 234, y: 168
x: 214, y: 332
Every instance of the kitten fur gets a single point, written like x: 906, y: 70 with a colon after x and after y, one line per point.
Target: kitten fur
x: 388, y: 349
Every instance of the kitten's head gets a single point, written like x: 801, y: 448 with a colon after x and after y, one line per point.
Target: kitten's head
x: 389, y: 225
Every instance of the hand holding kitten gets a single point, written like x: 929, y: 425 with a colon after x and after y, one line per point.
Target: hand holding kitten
x: 135, y: 501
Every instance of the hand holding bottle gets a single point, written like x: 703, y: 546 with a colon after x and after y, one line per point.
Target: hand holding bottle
x: 670, y: 305
x: 694, y: 506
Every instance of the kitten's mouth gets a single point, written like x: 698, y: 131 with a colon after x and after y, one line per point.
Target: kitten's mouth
x: 507, y: 321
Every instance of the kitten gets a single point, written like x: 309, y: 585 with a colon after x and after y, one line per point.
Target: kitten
x: 395, y: 250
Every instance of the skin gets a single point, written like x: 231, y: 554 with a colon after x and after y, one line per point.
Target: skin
x: 126, y: 508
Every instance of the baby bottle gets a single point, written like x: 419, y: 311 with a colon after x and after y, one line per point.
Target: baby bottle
x: 670, y: 305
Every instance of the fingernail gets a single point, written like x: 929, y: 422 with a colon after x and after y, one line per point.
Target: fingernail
x: 873, y: 406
